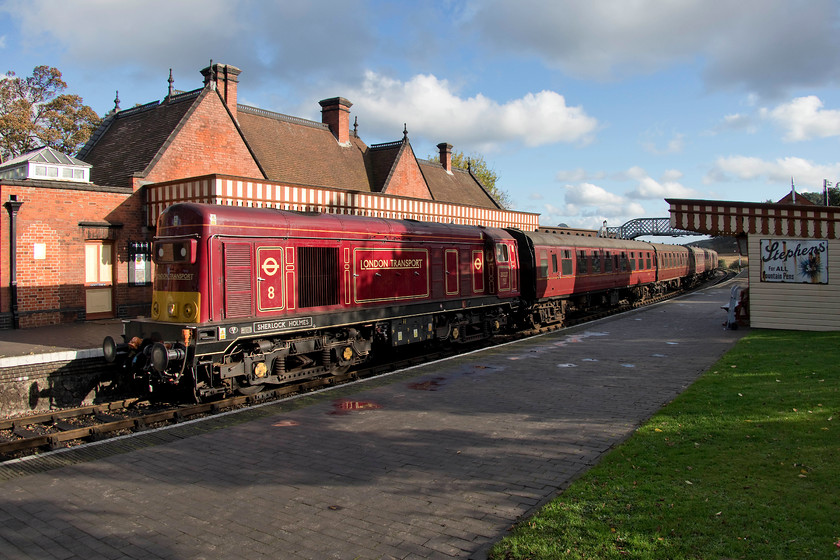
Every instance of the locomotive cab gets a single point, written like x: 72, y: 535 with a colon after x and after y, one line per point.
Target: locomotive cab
x: 177, y: 297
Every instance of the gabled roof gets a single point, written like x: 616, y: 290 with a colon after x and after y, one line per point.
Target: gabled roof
x: 127, y: 142
x: 383, y: 158
x: 791, y: 198
x: 44, y: 155
x: 285, y: 149
x: 458, y: 186
x: 303, y: 152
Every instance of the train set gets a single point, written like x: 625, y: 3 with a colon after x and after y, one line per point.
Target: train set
x: 245, y: 298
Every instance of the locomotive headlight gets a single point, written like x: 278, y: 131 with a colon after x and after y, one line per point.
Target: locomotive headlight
x: 175, y: 307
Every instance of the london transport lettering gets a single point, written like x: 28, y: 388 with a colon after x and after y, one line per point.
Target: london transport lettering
x: 174, y: 276
x: 390, y: 264
x: 794, y: 260
x: 284, y: 324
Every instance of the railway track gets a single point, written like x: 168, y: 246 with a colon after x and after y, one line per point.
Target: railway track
x: 28, y: 435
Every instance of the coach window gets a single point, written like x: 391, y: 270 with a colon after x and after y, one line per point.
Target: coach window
x: 543, y: 264
x: 608, y: 262
x: 596, y: 262
x: 566, y: 263
x: 554, y: 263
x: 581, y: 265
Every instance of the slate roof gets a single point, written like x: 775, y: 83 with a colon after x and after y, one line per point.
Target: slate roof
x: 303, y: 152
x: 128, y: 141
x: 459, y: 187
x: 288, y: 149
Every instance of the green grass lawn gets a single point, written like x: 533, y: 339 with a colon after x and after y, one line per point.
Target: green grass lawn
x: 743, y: 464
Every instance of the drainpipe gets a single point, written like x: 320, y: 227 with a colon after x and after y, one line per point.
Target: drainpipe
x: 13, y: 205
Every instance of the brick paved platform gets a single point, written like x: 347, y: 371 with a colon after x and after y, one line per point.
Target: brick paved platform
x: 435, y: 462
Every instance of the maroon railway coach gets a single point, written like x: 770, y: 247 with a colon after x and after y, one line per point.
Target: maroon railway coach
x: 563, y: 274
x: 246, y: 297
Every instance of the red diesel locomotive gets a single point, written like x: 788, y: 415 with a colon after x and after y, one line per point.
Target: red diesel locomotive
x: 246, y: 297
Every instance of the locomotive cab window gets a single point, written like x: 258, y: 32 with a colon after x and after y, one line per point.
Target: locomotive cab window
x: 175, y: 251
x: 501, y: 253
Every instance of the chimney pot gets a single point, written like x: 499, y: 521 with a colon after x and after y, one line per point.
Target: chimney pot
x: 445, y: 156
x: 335, y: 112
x: 225, y: 79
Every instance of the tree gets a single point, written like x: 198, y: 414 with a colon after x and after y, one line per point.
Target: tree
x: 482, y: 171
x: 818, y: 197
x: 34, y: 113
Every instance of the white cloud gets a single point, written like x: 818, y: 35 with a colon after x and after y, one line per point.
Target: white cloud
x: 780, y: 171
x: 736, y: 122
x: 667, y: 187
x: 434, y: 110
x: 587, y: 201
x: 804, y: 118
x: 588, y: 204
x: 268, y: 40
x: 759, y: 44
x: 578, y: 175
x: 674, y: 146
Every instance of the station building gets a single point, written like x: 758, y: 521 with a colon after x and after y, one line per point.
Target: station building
x: 75, y: 236
x: 794, y: 256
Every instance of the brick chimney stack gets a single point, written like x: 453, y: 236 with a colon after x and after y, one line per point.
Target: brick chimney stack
x: 224, y: 78
x: 445, y: 156
x: 335, y: 112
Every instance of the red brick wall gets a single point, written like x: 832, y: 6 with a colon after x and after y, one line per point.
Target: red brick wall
x: 208, y: 143
x: 52, y: 290
x: 407, y: 180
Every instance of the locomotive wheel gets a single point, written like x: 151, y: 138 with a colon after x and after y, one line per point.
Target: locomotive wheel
x: 344, y: 355
x: 245, y: 389
x: 340, y: 370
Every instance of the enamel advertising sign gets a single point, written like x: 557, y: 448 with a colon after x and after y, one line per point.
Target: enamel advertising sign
x: 794, y: 260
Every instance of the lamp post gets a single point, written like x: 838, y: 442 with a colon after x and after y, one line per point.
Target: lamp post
x: 13, y: 205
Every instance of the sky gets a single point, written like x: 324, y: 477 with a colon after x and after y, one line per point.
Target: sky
x: 587, y: 111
